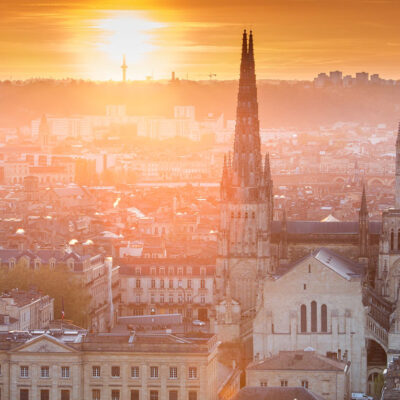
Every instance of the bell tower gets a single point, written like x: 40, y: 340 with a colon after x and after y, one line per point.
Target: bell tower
x: 246, y: 197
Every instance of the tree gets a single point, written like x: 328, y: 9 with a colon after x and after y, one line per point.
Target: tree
x: 58, y: 283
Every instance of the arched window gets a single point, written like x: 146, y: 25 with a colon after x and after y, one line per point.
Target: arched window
x: 324, y: 318
x: 313, y: 316
x: 303, y: 318
x: 391, y: 240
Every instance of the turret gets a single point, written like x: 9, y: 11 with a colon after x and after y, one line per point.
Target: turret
x: 363, y: 222
x: 397, y: 194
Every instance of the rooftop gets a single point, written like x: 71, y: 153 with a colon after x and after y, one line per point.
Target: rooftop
x: 276, y: 393
x: 299, y: 361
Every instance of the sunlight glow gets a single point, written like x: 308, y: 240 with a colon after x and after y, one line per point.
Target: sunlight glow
x: 125, y: 32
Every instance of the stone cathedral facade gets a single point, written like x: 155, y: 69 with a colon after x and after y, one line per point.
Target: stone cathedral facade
x: 291, y: 285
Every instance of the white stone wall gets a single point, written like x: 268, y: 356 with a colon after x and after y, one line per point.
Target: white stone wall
x: 277, y: 323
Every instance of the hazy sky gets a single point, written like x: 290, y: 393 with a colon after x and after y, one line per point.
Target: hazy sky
x: 293, y: 38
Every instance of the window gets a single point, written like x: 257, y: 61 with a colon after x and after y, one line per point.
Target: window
x: 309, y: 268
x: 114, y: 394
x: 44, y: 394
x: 304, y: 384
x: 398, y: 239
x: 162, y: 283
x: 138, y: 271
x: 44, y: 372
x: 313, y: 316
x: 135, y: 372
x: 264, y: 383
x: 180, y: 271
x: 192, y: 372
x: 152, y: 271
x: 96, y: 394
x: 23, y: 394
x: 180, y: 283
x: 153, y: 372
x: 115, y: 371
x: 152, y: 299
x: 392, y: 240
x: 304, y: 286
x: 189, y: 270
x: 303, y: 318
x: 324, y: 318
x: 96, y: 371
x: 202, y: 299
x: 135, y: 394
x: 64, y: 394
x: 64, y: 372
x: 162, y: 298
x: 202, y: 271
x: 173, y: 372
x: 173, y: 395
x: 153, y: 394
x: 284, y: 382
x: 171, y: 284
x: 192, y: 395
x: 170, y: 271
x: 189, y: 298
x: 171, y: 299
x: 189, y: 284
x: 137, y: 283
x: 202, y: 283
x: 24, y: 371
x: 153, y: 283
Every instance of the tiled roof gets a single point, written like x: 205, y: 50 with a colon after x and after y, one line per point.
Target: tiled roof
x: 276, y: 393
x: 299, y: 361
x: 345, y: 267
x: 325, y: 228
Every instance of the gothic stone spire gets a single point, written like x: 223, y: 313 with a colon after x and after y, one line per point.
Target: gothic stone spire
x: 247, y: 165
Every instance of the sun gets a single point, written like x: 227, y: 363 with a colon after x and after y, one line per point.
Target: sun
x: 126, y: 33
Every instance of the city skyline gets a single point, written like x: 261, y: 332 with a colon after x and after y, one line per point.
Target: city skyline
x: 295, y: 39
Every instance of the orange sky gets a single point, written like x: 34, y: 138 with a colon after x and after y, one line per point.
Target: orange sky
x: 293, y: 38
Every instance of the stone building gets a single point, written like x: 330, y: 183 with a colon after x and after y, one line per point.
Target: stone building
x: 96, y: 272
x: 168, y: 286
x: 316, y: 302
x: 246, y: 198
x: 323, y: 376
x: 26, y: 310
x: 74, y: 365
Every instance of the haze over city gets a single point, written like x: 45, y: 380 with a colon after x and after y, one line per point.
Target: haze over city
x: 295, y: 38
x: 199, y: 200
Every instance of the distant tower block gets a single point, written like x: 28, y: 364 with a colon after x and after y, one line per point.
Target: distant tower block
x: 124, y: 67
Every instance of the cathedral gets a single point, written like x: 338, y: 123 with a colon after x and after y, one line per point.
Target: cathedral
x: 292, y: 285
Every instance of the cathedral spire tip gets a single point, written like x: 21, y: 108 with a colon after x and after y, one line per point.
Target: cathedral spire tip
x: 363, y: 208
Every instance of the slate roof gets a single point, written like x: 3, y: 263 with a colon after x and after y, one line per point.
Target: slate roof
x: 345, y: 267
x: 324, y: 228
x: 43, y: 254
x: 299, y: 361
x: 276, y: 393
